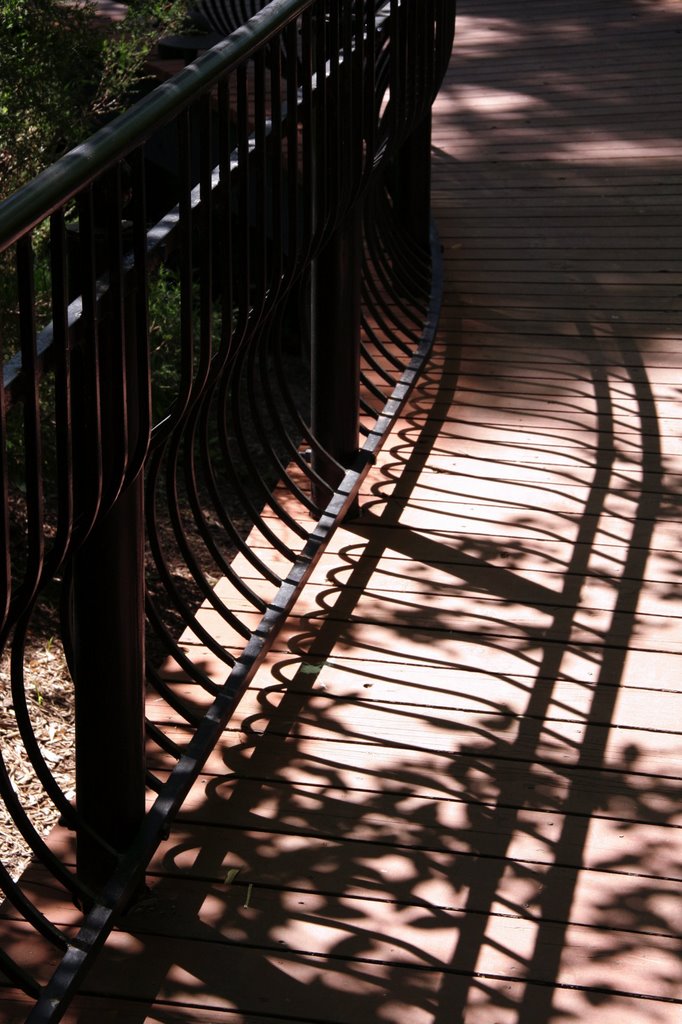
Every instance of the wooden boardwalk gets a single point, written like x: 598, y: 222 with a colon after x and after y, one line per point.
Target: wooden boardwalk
x: 452, y: 794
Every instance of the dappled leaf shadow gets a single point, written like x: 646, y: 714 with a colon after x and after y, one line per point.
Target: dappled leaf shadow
x: 452, y: 797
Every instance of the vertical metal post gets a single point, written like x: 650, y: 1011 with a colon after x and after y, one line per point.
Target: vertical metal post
x: 108, y: 602
x: 108, y: 610
x: 412, y: 183
x: 335, y: 356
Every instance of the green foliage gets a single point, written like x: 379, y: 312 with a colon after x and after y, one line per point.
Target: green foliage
x: 124, y: 51
x: 46, y: 83
x: 165, y: 343
x: 62, y: 69
x: 164, y: 339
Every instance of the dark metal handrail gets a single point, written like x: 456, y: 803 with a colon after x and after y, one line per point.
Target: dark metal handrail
x: 275, y: 196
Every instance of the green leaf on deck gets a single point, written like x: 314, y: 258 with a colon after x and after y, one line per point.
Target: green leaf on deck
x: 311, y: 670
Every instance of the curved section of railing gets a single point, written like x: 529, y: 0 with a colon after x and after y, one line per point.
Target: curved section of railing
x: 215, y: 309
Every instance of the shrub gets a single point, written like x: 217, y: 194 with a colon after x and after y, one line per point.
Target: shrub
x: 62, y: 70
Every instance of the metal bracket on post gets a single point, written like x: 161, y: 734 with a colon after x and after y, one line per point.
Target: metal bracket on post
x: 335, y: 355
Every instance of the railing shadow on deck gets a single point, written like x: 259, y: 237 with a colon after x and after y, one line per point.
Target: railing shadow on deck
x: 485, y: 774
x: 490, y: 827
x: 455, y: 840
x: 271, y: 146
x: 434, y: 833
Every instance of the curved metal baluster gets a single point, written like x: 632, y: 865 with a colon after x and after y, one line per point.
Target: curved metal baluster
x: 272, y: 375
x: 180, y: 605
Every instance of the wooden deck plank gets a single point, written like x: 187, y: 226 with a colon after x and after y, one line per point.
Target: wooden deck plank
x: 271, y: 974
x: 428, y: 921
x: 625, y: 792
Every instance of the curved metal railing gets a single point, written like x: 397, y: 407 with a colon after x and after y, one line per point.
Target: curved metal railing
x: 219, y: 304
